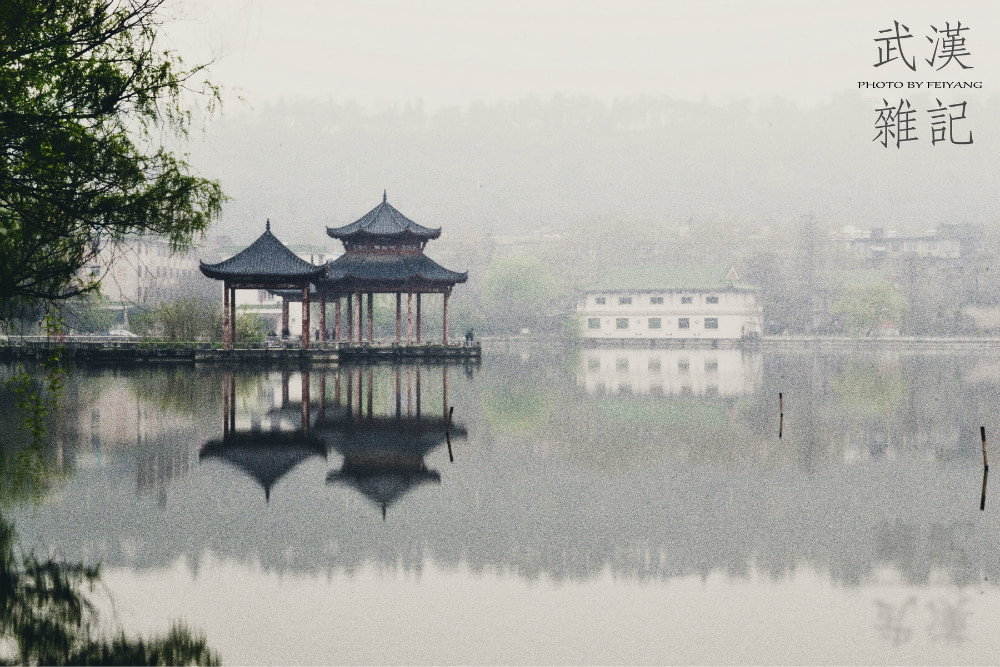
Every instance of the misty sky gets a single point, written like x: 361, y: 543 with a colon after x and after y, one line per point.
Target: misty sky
x: 802, y: 143
x: 456, y: 52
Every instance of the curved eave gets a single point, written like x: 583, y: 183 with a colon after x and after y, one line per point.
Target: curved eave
x: 219, y: 272
x: 416, y: 277
x: 355, y: 234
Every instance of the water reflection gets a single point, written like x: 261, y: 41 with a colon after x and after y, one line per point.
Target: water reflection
x: 384, y: 454
x: 698, y: 372
x: 554, y: 478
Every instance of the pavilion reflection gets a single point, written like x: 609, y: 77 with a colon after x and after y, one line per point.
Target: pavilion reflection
x: 384, y: 447
x: 376, y: 419
x: 264, y: 456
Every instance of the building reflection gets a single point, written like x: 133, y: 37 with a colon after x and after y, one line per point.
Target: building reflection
x: 697, y: 372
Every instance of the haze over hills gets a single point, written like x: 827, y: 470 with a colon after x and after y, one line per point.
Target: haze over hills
x: 577, y: 163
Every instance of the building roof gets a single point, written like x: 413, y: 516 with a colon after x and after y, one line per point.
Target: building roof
x: 266, y: 259
x: 669, y: 277
x: 389, y: 267
x: 384, y: 221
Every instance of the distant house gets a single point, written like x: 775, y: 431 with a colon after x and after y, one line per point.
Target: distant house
x: 671, y: 303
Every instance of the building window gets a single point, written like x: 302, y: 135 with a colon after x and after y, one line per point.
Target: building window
x: 593, y: 323
x: 656, y: 300
x: 621, y: 365
x: 711, y: 299
x: 621, y: 323
x: 654, y: 365
x: 711, y: 322
x: 683, y: 367
x: 683, y: 323
x: 593, y: 364
x: 654, y: 323
x: 624, y: 301
x: 600, y: 300
x: 687, y: 299
x: 712, y: 366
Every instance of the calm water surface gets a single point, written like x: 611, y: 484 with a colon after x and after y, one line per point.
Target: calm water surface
x: 586, y: 506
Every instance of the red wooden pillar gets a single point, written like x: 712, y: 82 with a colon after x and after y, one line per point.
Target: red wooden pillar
x: 370, y: 322
x: 305, y: 317
x: 350, y: 318
x: 232, y: 317
x: 336, y: 319
x: 284, y: 317
x: 418, y: 318
x: 409, y: 317
x: 322, y: 317
x: 225, y: 315
x: 361, y: 334
x: 399, y: 318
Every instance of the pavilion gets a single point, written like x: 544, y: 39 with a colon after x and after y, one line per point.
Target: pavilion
x: 264, y: 264
x: 383, y: 254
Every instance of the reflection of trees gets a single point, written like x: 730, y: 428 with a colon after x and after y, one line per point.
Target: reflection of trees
x: 518, y: 400
x: 867, y: 390
x: 46, y: 618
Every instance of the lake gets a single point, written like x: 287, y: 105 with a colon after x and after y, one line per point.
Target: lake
x: 576, y: 506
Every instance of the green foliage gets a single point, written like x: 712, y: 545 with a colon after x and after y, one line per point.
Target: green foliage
x: 861, y: 308
x: 251, y: 327
x: 89, y: 314
x: 184, y: 319
x: 47, y: 619
x: 518, y: 292
x: 86, y: 95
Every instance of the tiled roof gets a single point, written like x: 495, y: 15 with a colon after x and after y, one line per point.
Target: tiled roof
x: 669, y: 277
x: 384, y: 220
x: 391, y: 267
x: 266, y: 258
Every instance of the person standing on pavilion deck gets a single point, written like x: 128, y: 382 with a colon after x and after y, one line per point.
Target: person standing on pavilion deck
x: 384, y: 253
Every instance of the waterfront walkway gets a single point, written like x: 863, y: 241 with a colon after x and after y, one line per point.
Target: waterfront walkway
x: 110, y: 349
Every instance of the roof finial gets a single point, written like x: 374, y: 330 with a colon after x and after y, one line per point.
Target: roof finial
x: 267, y: 226
x: 383, y: 196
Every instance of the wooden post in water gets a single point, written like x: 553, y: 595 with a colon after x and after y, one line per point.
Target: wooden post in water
x: 982, y: 432
x: 447, y: 434
x: 781, y: 414
x: 982, y: 499
x: 986, y: 469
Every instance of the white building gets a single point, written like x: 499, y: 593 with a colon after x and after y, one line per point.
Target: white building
x: 142, y: 271
x: 671, y: 303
